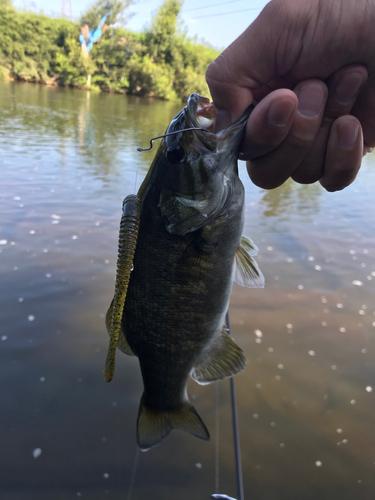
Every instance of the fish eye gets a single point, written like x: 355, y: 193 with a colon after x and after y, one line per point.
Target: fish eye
x: 175, y: 155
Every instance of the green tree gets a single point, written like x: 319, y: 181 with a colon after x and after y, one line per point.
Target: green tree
x: 114, y: 8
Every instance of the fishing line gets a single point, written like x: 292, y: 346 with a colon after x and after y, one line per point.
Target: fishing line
x: 132, y: 477
x: 136, y: 173
x: 171, y: 133
x: 217, y: 437
x: 236, y: 434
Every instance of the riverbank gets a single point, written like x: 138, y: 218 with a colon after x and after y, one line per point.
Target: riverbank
x: 159, y: 62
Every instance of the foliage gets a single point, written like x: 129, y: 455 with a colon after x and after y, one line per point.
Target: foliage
x: 160, y: 62
x: 114, y: 8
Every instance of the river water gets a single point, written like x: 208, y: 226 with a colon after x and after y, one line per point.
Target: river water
x: 305, y: 401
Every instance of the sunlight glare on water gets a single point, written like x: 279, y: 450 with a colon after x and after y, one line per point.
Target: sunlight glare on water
x: 306, y: 401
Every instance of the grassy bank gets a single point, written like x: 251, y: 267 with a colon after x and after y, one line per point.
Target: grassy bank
x: 161, y: 61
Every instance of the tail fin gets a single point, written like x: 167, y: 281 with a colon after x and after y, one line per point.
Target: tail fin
x: 153, y: 426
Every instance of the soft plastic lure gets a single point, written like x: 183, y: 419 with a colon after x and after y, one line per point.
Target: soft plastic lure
x: 129, y: 227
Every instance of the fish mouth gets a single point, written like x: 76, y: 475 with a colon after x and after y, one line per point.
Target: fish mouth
x: 201, y: 113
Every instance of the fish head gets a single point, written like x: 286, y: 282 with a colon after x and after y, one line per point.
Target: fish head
x: 197, y: 169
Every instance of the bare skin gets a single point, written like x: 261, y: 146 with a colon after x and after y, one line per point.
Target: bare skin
x: 310, y: 66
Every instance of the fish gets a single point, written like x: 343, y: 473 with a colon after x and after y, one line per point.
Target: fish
x: 180, y: 249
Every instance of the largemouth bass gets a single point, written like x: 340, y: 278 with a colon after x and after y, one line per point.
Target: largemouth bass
x: 180, y: 250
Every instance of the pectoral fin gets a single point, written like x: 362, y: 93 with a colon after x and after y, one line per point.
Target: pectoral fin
x: 129, y: 227
x: 225, y: 359
x: 246, y: 271
x: 122, y: 343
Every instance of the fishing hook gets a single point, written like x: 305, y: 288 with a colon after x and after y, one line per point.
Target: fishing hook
x: 170, y: 133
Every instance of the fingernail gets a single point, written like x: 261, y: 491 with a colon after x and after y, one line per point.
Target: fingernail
x: 347, y: 135
x: 279, y: 113
x: 311, y: 99
x: 348, y: 86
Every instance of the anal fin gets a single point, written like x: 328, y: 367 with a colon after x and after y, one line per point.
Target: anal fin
x: 246, y: 271
x: 122, y: 343
x: 225, y: 359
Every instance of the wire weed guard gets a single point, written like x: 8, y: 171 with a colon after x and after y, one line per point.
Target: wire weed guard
x: 170, y: 133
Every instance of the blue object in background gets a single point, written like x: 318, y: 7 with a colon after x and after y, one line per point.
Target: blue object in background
x: 93, y: 35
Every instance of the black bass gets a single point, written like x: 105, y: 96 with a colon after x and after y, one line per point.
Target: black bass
x: 180, y: 250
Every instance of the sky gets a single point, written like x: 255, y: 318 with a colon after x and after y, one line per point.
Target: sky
x: 219, y: 22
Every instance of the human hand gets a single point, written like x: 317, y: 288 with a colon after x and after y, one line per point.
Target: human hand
x: 324, y: 51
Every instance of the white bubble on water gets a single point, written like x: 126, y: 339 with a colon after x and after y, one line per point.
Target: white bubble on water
x: 373, y: 273
x: 311, y: 353
x: 318, y: 463
x: 290, y: 260
x: 74, y: 237
x: 270, y: 349
x: 270, y: 249
x: 278, y: 377
x: 42, y: 379
x: 198, y: 465
x: 54, y: 216
x: 326, y: 311
x: 31, y: 317
x: 342, y: 329
x: 300, y: 287
x: 369, y: 388
x: 255, y: 415
x: 32, y: 231
x: 324, y: 323
x: 352, y: 252
x: 55, y: 222
x: 272, y: 424
x: 3, y: 242
x: 344, y: 441
x: 280, y: 366
x: 353, y: 401
x: 45, y: 250
x: 4, y: 337
x: 258, y: 333
x: 258, y: 386
x: 357, y: 283
x: 289, y: 326
x: 334, y: 367
x: 97, y: 223
x: 258, y: 341
x: 339, y: 431
x: 361, y: 312
x: 364, y: 306
x: 339, y: 306
x: 37, y: 452
x: 373, y: 323
x: 318, y: 268
x: 282, y: 445
x: 16, y: 198
x: 106, y: 261
x: 20, y: 299
x: 365, y: 250
x: 363, y: 264
x: 324, y: 299
x: 364, y: 351
x: 106, y: 475
x: 48, y: 275
x: 311, y: 258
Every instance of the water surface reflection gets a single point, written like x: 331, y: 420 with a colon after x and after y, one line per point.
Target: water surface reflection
x: 306, y: 404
